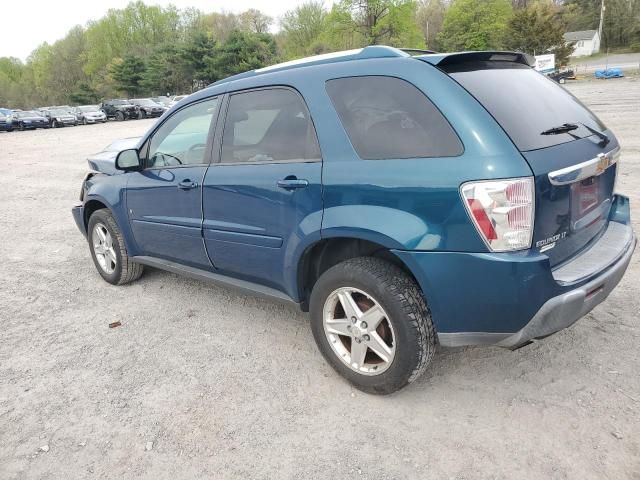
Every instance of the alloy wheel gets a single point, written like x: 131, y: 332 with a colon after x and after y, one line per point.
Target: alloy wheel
x: 103, y: 248
x: 359, y: 331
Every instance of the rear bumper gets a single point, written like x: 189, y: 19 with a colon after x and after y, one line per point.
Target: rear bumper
x: 564, y: 310
x: 508, y: 299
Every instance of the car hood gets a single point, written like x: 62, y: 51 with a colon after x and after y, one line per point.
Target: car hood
x: 105, y: 160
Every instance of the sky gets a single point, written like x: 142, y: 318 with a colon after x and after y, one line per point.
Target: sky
x: 25, y: 24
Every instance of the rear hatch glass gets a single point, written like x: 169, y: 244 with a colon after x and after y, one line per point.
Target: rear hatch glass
x: 554, y: 131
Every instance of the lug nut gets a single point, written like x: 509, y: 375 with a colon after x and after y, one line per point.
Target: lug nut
x: 364, y: 324
x: 354, y: 319
x: 366, y: 338
x: 357, y: 340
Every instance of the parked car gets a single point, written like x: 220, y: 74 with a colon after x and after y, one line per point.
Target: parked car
x: 404, y: 201
x: 6, y: 123
x: 90, y: 114
x: 29, y: 120
x: 119, y: 109
x: 162, y: 100
x: 60, y: 117
x: 176, y: 99
x: 147, y: 107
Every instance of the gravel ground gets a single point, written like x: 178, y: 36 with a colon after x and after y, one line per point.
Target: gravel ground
x: 203, y: 382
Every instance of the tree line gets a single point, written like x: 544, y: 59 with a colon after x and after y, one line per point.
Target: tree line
x: 149, y: 50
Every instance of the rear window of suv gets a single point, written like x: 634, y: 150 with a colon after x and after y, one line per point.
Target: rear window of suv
x: 389, y: 118
x: 524, y: 102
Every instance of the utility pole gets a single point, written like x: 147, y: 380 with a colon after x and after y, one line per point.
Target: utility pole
x: 602, y: 8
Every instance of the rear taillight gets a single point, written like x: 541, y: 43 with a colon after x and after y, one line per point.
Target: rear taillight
x: 502, y: 211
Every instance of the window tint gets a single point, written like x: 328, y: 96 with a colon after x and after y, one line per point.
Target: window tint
x: 386, y: 118
x: 182, y: 139
x: 524, y: 102
x: 268, y: 125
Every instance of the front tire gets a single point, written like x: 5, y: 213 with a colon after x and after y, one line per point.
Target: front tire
x: 372, y: 324
x: 119, y: 116
x: 108, y: 250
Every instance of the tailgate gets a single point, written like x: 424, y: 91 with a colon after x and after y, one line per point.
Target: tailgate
x: 574, y: 193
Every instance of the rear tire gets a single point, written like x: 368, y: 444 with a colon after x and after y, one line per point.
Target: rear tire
x: 108, y: 250
x: 119, y: 116
x: 409, y: 336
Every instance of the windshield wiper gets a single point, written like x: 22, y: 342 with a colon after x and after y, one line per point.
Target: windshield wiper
x: 569, y: 127
x: 564, y: 128
x: 604, y: 138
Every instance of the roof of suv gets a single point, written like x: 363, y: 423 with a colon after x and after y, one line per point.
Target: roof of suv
x: 382, y: 51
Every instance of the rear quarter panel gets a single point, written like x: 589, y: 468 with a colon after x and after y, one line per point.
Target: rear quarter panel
x: 411, y: 204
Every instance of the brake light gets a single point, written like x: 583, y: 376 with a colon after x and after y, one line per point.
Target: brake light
x: 502, y: 211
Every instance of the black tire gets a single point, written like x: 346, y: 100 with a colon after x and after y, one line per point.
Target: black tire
x: 119, y: 116
x: 84, y: 121
x: 142, y: 115
x: 125, y: 271
x: 21, y: 127
x: 407, y: 311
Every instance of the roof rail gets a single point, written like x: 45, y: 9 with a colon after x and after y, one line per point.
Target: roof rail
x: 372, y: 51
x: 417, y: 50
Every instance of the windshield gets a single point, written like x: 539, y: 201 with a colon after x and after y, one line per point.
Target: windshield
x: 525, y: 103
x: 58, y: 112
x: 119, y: 102
x: 91, y: 108
x: 27, y: 114
x: 179, y: 97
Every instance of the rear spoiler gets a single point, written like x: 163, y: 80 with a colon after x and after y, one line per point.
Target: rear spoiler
x: 444, y: 59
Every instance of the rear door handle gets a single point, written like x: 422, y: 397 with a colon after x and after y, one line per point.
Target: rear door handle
x: 187, y: 184
x: 291, y: 183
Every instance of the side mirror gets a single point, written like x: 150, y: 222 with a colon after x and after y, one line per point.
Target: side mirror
x: 128, y: 160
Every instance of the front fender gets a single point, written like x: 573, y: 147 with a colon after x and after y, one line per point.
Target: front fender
x: 111, y: 192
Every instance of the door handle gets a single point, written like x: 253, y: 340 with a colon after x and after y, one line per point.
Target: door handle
x: 292, y: 183
x: 187, y: 184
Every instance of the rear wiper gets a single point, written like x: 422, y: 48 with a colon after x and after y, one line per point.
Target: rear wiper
x: 604, y: 138
x: 568, y: 127
x: 564, y: 128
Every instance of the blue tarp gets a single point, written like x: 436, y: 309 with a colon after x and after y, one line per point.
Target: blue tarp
x: 609, y: 73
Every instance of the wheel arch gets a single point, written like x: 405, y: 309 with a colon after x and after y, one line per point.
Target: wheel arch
x: 323, y: 254
x: 97, y: 202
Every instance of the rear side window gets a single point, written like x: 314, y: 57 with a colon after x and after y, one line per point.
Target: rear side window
x: 524, y: 102
x: 269, y: 125
x: 389, y: 118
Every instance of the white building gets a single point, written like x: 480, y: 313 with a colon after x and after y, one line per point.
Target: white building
x: 586, y: 42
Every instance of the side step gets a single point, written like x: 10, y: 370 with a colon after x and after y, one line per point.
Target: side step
x: 198, y: 274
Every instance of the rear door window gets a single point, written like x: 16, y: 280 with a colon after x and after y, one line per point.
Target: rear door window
x: 270, y: 125
x: 389, y: 118
x: 524, y: 102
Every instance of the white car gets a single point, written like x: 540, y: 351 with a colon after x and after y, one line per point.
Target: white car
x: 176, y: 99
x: 90, y: 114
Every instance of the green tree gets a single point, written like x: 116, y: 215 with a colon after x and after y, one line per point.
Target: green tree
x: 475, y: 25
x: 128, y: 75
x: 255, y: 21
x: 84, y: 94
x: 430, y: 16
x: 538, y: 28
x: 242, y: 51
x: 385, y: 21
x: 302, y: 28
